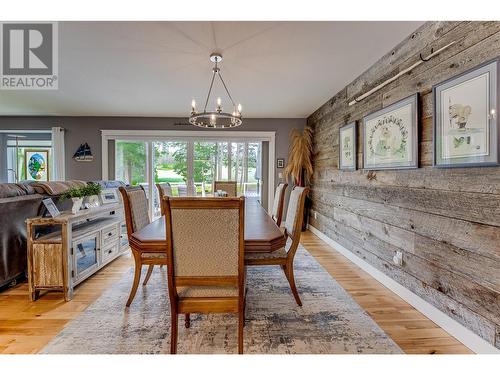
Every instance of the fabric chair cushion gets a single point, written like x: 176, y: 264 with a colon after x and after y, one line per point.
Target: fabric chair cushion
x: 153, y: 255
x: 293, y: 207
x: 277, y: 254
x: 207, y: 291
x: 138, y: 208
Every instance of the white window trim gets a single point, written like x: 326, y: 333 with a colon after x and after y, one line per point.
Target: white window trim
x: 159, y: 135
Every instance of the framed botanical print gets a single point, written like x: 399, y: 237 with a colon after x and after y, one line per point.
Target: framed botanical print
x: 390, y: 136
x: 347, y: 148
x: 36, y: 165
x: 465, y: 118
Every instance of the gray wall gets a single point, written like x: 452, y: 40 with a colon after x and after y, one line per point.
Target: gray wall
x: 87, y: 129
x: 446, y: 222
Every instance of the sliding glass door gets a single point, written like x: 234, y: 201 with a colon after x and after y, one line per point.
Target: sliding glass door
x: 190, y: 165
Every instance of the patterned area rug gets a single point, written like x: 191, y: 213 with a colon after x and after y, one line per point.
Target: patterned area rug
x: 330, y: 321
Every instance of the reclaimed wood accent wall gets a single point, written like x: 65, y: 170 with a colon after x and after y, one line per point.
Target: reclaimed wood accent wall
x: 446, y: 222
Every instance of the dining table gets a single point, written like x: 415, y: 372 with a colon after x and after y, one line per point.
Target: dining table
x: 261, y: 232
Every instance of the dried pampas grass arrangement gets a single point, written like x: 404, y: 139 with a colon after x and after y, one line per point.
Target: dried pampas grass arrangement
x: 300, y: 156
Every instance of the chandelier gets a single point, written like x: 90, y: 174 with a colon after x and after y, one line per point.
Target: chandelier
x: 218, y: 118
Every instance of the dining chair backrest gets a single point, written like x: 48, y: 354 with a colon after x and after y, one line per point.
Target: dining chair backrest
x: 164, y: 189
x: 206, y: 240
x: 295, y: 212
x: 228, y: 186
x: 279, y: 199
x: 135, y: 204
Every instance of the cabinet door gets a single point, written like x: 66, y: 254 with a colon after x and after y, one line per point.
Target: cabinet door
x: 85, y: 255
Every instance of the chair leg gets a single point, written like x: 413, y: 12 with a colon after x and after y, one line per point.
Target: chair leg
x: 241, y: 323
x: 187, y: 320
x: 173, y: 333
x: 291, y: 280
x: 137, y: 276
x: 148, y: 274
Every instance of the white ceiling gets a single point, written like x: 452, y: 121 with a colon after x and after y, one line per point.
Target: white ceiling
x: 275, y: 69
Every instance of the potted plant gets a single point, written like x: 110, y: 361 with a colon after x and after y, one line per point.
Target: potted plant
x: 91, y: 194
x: 299, y: 165
x: 76, y: 196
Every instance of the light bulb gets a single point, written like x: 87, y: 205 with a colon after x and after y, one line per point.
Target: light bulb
x: 219, y: 102
x: 239, y: 109
x: 193, y: 105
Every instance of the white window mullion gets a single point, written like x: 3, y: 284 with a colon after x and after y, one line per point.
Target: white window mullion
x: 149, y: 177
x: 229, y: 166
x: 190, y: 168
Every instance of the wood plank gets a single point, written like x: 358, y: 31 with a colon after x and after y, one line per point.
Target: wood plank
x: 477, y: 238
x: 475, y: 207
x: 472, y: 180
x: 468, y: 318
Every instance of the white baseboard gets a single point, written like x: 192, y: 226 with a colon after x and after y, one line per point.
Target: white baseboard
x: 461, y: 333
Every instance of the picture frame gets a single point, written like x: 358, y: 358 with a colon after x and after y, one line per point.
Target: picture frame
x: 280, y: 163
x: 37, y: 164
x: 348, y: 142
x: 465, y: 122
x: 51, y: 207
x: 390, y: 136
x: 109, y: 196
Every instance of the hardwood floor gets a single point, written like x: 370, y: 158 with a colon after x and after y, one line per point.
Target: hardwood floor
x: 26, y: 327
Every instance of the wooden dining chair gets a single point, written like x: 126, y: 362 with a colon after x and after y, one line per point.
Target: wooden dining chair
x: 164, y: 189
x: 279, y: 199
x: 293, y: 228
x: 228, y: 186
x: 205, y: 247
x: 137, y: 217
x: 182, y: 190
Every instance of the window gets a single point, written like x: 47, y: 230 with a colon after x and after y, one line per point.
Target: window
x: 190, y: 163
x: 14, y: 146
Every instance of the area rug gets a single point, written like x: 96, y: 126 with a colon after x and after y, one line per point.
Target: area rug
x: 329, y: 321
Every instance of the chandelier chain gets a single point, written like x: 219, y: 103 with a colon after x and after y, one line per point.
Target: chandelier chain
x: 210, y: 90
x: 228, y: 94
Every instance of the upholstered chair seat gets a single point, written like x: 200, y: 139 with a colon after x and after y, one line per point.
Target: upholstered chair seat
x: 277, y: 254
x: 207, y: 291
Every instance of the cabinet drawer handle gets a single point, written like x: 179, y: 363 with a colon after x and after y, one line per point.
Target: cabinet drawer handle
x: 110, y: 234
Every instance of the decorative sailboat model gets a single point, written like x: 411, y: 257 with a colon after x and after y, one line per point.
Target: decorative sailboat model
x: 83, y: 153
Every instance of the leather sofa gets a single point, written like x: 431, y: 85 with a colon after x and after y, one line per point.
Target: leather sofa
x: 17, y: 203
